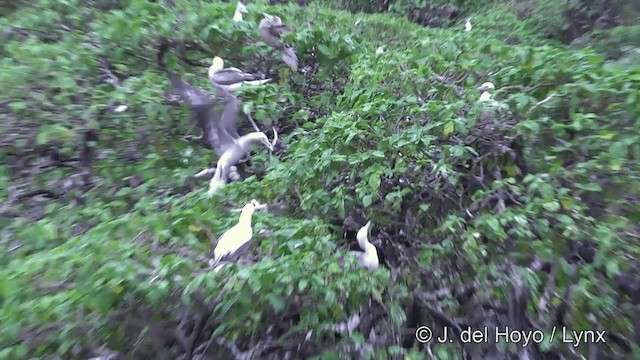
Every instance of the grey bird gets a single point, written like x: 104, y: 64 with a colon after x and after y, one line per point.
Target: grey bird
x: 219, y: 126
x: 201, y: 107
x: 271, y: 30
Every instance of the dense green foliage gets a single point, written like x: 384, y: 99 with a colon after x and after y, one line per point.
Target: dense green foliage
x: 529, y: 205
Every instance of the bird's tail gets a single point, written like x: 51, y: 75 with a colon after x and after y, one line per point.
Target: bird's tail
x: 217, y: 181
x: 215, y: 185
x: 218, y: 267
x: 290, y: 58
x: 257, y: 82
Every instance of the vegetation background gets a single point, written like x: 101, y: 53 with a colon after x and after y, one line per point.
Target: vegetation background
x: 524, y: 215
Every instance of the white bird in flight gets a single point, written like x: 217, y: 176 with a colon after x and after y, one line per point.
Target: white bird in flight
x: 241, y: 8
x: 238, y: 236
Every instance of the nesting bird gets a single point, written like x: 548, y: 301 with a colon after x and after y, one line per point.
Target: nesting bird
x: 230, y: 79
x: 467, y: 25
x: 271, y: 30
x: 239, y: 235
x: 369, y: 256
x: 240, y: 8
x: 486, y: 96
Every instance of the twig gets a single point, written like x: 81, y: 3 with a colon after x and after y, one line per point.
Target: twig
x: 542, y: 102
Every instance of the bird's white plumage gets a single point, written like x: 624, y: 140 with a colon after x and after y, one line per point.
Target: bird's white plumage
x: 237, y: 235
x: 240, y: 8
x: 369, y: 256
x: 486, y: 95
x: 233, y: 154
x: 467, y: 25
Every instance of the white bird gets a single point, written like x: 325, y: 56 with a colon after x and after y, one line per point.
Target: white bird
x: 239, y: 235
x: 369, y: 256
x: 271, y: 30
x: 230, y: 79
x: 235, y: 151
x: 219, y: 128
x: 467, y: 25
x: 241, y: 8
x: 486, y: 96
x: 120, y: 108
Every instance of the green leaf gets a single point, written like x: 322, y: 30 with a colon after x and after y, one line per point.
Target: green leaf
x: 551, y: 206
x: 374, y: 181
x: 612, y: 268
x: 565, y: 219
x: 326, y: 51
x: 449, y: 128
x: 21, y: 351
x: 303, y: 284
x: 366, y: 200
x: 567, y: 203
x: 17, y: 106
x: 277, y: 303
x: 494, y: 224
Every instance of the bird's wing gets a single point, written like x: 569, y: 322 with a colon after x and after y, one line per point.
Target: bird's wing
x: 232, y: 76
x: 290, y: 58
x: 278, y: 30
x: 193, y: 96
x: 233, y: 256
x: 204, y: 111
x: 229, y: 118
x: 224, y: 118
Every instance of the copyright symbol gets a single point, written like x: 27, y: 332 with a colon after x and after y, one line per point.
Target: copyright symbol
x: 423, y: 334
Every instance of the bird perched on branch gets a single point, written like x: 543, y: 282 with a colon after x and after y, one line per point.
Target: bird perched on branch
x: 369, y: 256
x: 271, y: 30
x: 236, y: 239
x: 230, y: 79
x: 240, y: 8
